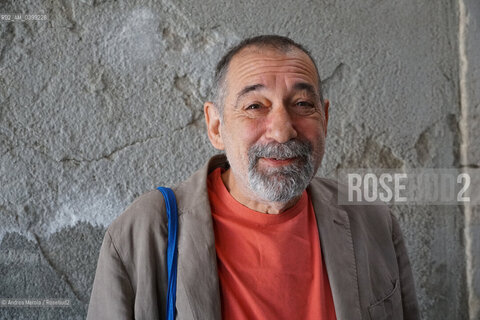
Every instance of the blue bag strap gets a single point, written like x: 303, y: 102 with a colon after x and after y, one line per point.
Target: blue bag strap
x: 172, y: 254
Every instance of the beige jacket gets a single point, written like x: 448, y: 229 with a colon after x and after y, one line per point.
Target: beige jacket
x: 362, y: 246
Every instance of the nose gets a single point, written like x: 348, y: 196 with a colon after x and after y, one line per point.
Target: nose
x: 280, y: 126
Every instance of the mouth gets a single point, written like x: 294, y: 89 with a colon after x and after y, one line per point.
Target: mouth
x: 277, y: 162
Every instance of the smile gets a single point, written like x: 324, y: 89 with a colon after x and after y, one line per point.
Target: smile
x: 278, y: 162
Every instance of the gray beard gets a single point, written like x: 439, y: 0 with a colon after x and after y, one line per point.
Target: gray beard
x: 284, y: 183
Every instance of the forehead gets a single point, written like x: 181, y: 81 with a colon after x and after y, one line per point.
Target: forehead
x: 260, y: 65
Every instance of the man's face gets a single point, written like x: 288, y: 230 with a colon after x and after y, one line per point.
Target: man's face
x: 274, y: 126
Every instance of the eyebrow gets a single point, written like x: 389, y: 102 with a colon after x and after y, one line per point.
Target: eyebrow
x: 299, y: 86
x: 303, y: 86
x: 248, y: 89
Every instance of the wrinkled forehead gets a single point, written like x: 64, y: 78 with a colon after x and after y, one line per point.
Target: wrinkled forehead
x: 259, y: 64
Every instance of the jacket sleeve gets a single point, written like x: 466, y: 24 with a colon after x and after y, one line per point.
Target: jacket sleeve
x: 112, y: 295
x: 409, y: 298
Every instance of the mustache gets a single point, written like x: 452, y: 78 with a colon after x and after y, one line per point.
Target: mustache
x: 281, y: 151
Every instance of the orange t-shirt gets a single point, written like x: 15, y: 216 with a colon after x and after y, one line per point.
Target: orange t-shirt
x: 270, y: 265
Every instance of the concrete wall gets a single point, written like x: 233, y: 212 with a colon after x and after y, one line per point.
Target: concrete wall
x: 469, y: 54
x: 103, y: 101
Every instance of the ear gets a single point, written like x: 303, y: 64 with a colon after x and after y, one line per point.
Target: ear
x: 326, y: 106
x: 212, y: 118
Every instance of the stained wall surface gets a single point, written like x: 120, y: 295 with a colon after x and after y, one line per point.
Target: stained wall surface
x: 103, y: 101
x: 469, y: 50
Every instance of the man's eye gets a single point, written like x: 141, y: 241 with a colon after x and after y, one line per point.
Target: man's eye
x: 305, y: 108
x: 305, y: 104
x: 253, y: 106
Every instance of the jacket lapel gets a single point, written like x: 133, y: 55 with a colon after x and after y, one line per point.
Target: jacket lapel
x: 197, y: 276
x: 337, y: 252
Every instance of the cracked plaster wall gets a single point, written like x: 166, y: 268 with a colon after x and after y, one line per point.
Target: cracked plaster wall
x: 103, y: 101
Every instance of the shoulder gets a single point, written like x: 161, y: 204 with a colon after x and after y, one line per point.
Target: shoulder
x: 145, y: 214
x: 374, y: 216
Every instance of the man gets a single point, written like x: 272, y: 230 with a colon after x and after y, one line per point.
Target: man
x: 259, y: 236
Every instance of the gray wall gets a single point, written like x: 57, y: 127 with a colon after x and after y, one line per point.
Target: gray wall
x: 103, y: 101
x: 469, y: 56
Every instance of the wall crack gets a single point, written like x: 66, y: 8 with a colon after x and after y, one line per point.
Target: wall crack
x: 63, y: 277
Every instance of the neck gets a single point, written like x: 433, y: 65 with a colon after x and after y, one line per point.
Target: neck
x: 243, y: 195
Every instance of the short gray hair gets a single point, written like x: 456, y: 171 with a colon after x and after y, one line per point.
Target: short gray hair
x: 276, y: 42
